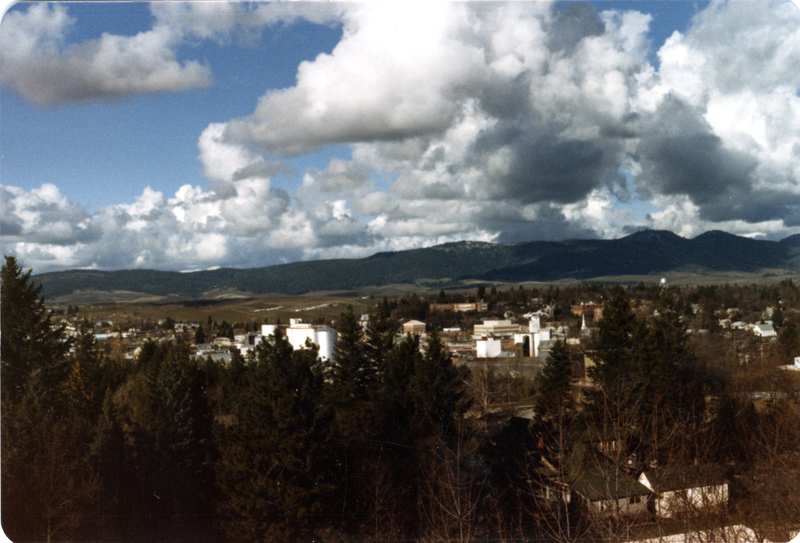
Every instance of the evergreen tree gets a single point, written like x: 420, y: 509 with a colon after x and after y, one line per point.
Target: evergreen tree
x: 669, y: 386
x: 613, y: 354
x: 396, y: 377
x: 554, y: 381
x: 27, y: 341
x: 86, y: 379
x: 436, y: 388
x: 379, y: 339
x: 231, y: 380
x: 47, y: 487
x: 777, y: 317
x: 184, y: 437
x: 352, y: 372
x: 275, y: 464
x: 108, y: 460
x: 789, y: 340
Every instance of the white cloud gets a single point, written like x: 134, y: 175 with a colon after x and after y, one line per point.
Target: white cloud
x: 42, y: 67
x: 490, y: 121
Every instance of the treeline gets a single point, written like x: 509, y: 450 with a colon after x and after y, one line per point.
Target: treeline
x: 277, y: 447
x: 381, y: 445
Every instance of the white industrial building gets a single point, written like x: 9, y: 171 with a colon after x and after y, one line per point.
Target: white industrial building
x: 298, y: 333
x: 495, y: 328
x: 488, y: 348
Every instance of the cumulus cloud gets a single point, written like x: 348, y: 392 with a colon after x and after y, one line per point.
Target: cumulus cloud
x: 488, y: 121
x: 719, y: 122
x: 39, y: 65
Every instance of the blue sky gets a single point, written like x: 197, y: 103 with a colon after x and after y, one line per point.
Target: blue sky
x: 195, y: 135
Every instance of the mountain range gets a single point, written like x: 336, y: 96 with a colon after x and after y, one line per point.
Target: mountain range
x: 643, y: 253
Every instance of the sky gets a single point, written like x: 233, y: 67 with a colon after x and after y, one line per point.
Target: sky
x: 196, y: 135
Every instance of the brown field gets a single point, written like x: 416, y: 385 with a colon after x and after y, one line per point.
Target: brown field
x: 234, y: 310
x: 239, y: 307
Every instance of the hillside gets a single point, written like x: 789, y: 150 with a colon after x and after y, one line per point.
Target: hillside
x: 643, y: 253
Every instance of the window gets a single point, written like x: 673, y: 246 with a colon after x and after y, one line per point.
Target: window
x: 634, y: 499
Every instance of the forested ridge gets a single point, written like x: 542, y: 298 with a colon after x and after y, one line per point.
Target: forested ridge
x: 391, y: 441
x: 642, y: 253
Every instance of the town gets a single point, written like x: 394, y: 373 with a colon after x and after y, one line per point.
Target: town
x: 643, y: 412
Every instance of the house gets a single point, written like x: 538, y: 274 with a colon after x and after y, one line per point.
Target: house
x: 611, y: 493
x: 248, y: 342
x: 603, y: 488
x: 679, y: 534
x: 415, y: 328
x: 686, y: 491
x: 220, y: 358
x: 793, y: 367
x: 764, y: 330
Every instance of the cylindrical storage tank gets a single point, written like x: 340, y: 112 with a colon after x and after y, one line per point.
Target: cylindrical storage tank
x: 326, y: 339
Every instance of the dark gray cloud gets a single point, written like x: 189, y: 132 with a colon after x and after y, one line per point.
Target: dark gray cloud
x: 570, y: 25
x: 681, y: 155
x: 697, y: 165
x: 265, y: 168
x: 8, y: 228
x: 547, y: 170
x: 550, y: 225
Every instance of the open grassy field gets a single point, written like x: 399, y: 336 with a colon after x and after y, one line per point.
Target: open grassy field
x: 233, y: 309
x: 234, y: 306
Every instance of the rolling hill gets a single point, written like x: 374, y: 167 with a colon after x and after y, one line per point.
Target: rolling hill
x: 643, y: 253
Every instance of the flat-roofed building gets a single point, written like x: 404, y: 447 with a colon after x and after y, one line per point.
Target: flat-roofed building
x: 497, y: 328
x: 463, y: 308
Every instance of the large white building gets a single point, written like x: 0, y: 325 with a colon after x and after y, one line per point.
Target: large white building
x: 496, y: 328
x: 488, y: 348
x: 299, y: 332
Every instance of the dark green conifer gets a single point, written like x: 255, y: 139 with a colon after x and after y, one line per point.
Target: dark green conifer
x: 613, y: 354
x: 436, y: 388
x: 352, y: 372
x: 554, y: 381
x: 184, y: 437
x: 28, y: 343
x: 275, y: 463
x: 379, y: 338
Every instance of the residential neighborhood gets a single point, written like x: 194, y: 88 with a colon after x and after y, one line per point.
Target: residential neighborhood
x: 617, y: 474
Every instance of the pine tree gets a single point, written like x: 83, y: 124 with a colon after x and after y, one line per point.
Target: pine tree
x: 436, y: 388
x: 47, y: 487
x: 27, y: 341
x: 554, y: 381
x: 108, y: 460
x: 275, y: 465
x: 185, y: 439
x: 379, y: 339
x: 614, y: 358
x: 789, y: 340
x: 396, y: 377
x: 669, y: 386
x: 85, y: 379
x: 352, y: 373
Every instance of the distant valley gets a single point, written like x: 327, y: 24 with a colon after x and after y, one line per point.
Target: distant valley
x: 449, y: 265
